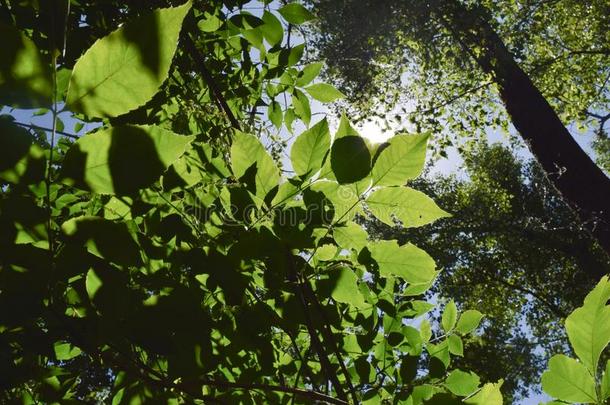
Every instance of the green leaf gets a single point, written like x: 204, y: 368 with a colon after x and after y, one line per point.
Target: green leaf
x: 21, y: 160
x: 324, y: 92
x: 274, y: 112
x: 449, y: 317
x: 588, y: 327
x: 345, y: 128
x: 125, y: 69
x: 350, y: 236
x: 413, y: 208
x: 92, y: 283
x: 247, y: 153
x: 344, y: 199
x: 469, y: 321
x: 605, y: 385
x: 122, y: 160
x: 301, y: 106
x: 346, y: 287
x: 456, y: 346
x: 402, y: 160
x: 295, y: 13
x: 569, y: 380
x: 408, y: 261
x: 272, y: 29
x: 65, y: 351
x: 309, y: 149
x: 25, y: 78
x: 425, y: 330
x: 350, y: 159
x: 309, y: 73
x: 104, y: 238
x: 210, y: 23
x: 462, y: 383
x: 488, y: 395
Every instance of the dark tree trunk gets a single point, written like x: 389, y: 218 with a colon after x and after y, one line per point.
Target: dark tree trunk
x: 582, y: 184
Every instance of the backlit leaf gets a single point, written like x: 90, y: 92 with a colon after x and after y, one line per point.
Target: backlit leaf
x: 295, y: 13
x: 125, y: 69
x: 402, y: 160
x: 408, y: 261
x: 569, y: 380
x: 324, y: 92
x: 309, y: 149
x: 122, y: 160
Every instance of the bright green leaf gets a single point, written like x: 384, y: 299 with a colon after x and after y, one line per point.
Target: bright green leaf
x: 309, y: 149
x: 402, y: 160
x: 408, y: 261
x: 462, y: 383
x: 490, y: 394
x: 588, y: 327
x: 295, y: 13
x: 350, y: 236
x: 247, y: 153
x: 66, y: 351
x: 449, y: 317
x: 569, y: 380
x: 324, y: 92
x: 274, y: 112
x: 413, y: 208
x: 309, y: 73
x: 272, y: 29
x: 469, y: 321
x: 301, y: 106
x: 456, y: 346
x: 346, y: 287
x: 125, y: 69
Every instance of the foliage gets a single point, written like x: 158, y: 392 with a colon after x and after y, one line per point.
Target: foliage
x: 513, y: 250
x: 580, y: 381
x: 402, y: 56
x: 163, y: 258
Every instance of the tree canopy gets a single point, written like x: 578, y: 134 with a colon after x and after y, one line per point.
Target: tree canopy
x: 173, y: 236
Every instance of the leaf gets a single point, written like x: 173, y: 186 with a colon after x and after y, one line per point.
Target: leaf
x: 462, y: 383
x: 469, y: 321
x: 92, y: 283
x: 456, y: 346
x: 343, y: 198
x: 65, y: 351
x: 350, y: 159
x: 408, y: 261
x: 125, y: 69
x: 346, y: 287
x: 588, y: 327
x: 324, y: 92
x: 295, y: 13
x: 569, y: 380
x: 25, y: 78
x: 605, y: 384
x: 104, y: 238
x: 309, y: 149
x: 247, y: 153
x: 21, y: 160
x: 488, y: 395
x: 402, y: 160
x: 309, y: 73
x: 272, y: 29
x: 122, y: 160
x: 274, y: 112
x: 301, y: 106
x: 413, y: 208
x: 350, y: 236
x: 449, y: 317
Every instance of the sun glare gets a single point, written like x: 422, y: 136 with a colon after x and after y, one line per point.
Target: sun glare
x: 374, y: 132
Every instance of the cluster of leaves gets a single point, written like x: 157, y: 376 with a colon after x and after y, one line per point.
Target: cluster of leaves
x: 163, y: 257
x: 514, y: 250
x: 588, y: 328
x: 404, y: 56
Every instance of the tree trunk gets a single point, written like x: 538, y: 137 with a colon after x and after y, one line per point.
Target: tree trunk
x: 582, y: 184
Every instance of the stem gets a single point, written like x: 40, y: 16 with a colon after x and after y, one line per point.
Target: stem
x: 32, y: 126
